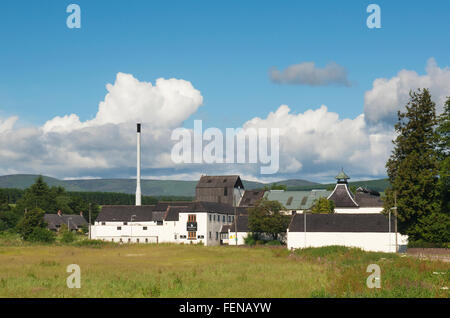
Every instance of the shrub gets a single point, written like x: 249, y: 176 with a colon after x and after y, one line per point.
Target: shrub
x: 250, y: 240
x: 40, y: 234
x: 274, y: 243
x: 92, y: 243
x: 67, y: 237
x: 423, y: 244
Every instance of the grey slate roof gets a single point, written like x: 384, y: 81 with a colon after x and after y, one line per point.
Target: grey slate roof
x: 219, y: 181
x: 54, y: 221
x: 250, y: 197
x: 342, y: 197
x: 372, y: 223
x: 123, y: 213
x: 168, y: 211
x: 242, y: 224
x: 367, y: 199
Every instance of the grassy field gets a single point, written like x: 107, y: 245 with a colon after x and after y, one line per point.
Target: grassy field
x: 166, y: 270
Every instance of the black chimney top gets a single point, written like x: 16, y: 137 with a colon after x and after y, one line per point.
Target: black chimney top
x: 138, y: 128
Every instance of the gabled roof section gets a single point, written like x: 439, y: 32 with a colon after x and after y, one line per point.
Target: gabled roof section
x: 123, y: 213
x: 368, y: 199
x: 232, y: 181
x: 242, y: 224
x: 342, y: 197
x: 250, y: 197
x: 54, y: 221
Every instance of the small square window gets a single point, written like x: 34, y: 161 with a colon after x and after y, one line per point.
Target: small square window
x: 119, y: 228
x: 144, y: 228
x: 125, y: 223
x: 103, y: 223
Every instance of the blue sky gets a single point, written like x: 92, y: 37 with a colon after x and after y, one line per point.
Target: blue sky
x: 224, y: 48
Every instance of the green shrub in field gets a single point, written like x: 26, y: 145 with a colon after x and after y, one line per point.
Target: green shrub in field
x: 68, y: 237
x: 42, y: 235
x: 423, y: 244
x: 274, y: 243
x: 250, y: 240
x: 92, y: 243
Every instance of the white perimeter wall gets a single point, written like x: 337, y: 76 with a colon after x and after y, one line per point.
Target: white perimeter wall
x: 376, y: 242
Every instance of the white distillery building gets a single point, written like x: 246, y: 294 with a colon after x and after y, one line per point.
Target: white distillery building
x: 370, y: 232
x: 166, y: 222
x: 357, y: 222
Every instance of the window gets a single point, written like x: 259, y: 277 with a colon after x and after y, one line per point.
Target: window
x: 217, y: 236
x: 146, y: 240
x: 129, y: 240
x: 210, y: 218
x: 289, y: 201
x: 112, y: 240
x: 223, y: 218
x: 120, y: 240
x: 192, y: 235
x: 103, y: 223
x: 210, y: 235
x: 137, y: 240
x: 225, y: 191
x: 144, y: 228
x: 182, y: 236
x: 125, y: 223
x: 159, y: 222
x: 119, y: 228
x: 229, y: 218
x: 175, y: 236
x: 201, y: 237
x: 214, y: 217
x: 192, y: 218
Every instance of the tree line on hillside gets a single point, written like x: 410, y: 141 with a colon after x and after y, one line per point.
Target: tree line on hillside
x: 20, y: 208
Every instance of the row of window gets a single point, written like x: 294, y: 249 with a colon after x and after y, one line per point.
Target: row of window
x: 212, y: 218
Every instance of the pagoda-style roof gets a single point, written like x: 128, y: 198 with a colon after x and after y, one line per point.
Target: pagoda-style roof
x: 342, y: 175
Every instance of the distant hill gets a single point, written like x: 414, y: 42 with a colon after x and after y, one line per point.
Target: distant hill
x: 379, y: 185
x: 160, y: 187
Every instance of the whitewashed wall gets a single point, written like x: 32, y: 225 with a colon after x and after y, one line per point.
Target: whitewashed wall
x: 169, y: 232
x: 376, y: 242
x: 232, y: 238
x: 359, y: 210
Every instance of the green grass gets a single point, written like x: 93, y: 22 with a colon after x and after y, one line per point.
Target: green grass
x: 167, y: 270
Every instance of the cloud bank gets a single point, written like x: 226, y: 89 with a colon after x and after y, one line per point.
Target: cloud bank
x: 314, y: 144
x: 388, y: 96
x: 308, y: 74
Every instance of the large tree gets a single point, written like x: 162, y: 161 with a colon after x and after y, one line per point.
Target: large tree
x: 265, y: 217
x: 413, y: 166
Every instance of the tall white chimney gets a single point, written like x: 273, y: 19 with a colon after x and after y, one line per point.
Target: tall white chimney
x: 138, y: 176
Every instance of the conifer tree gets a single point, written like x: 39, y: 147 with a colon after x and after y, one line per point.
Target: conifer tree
x: 413, y: 166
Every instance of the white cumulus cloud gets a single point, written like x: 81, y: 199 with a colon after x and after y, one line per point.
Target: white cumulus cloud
x: 387, y: 96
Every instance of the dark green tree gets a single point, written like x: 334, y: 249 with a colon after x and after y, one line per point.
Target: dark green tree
x: 32, y: 219
x: 322, y: 205
x: 265, y: 217
x: 413, y: 166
